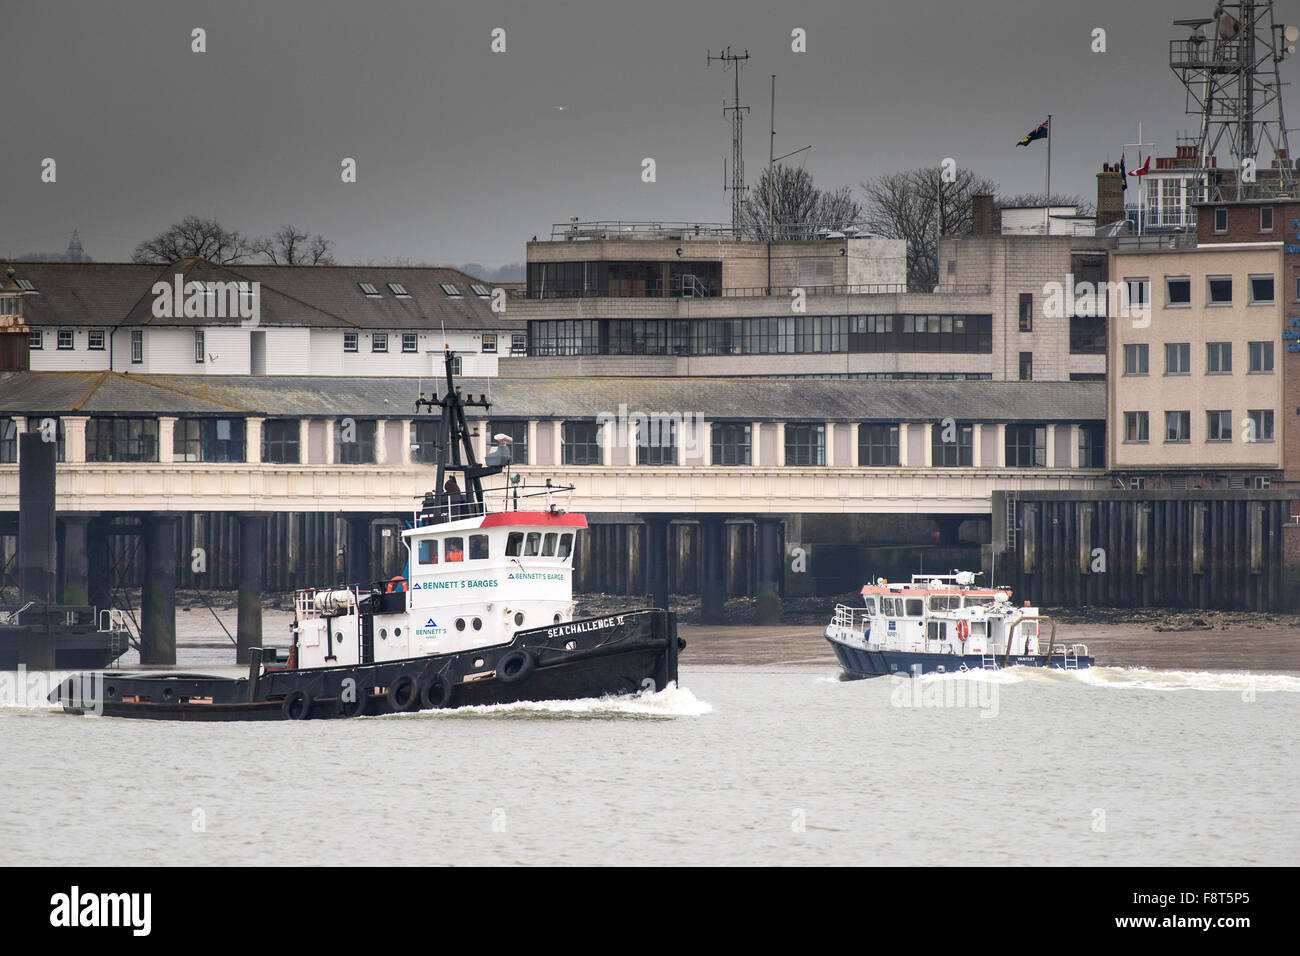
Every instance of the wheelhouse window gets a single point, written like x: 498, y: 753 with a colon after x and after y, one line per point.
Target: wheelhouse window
x: 566, y: 545
x: 208, y: 439
x: 877, y: 445
x: 580, y: 444
x: 805, y: 445
x: 354, y: 441
x: 514, y: 544
x: 453, y: 549
x: 548, y: 544
x: 1026, y: 446
x: 952, y: 445
x: 478, y: 547
x: 280, y: 437
x: 533, y: 544
x: 730, y: 444
x: 427, y: 551
x: 122, y: 439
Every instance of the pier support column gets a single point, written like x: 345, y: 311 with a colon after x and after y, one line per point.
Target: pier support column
x: 158, y: 591
x: 767, y: 541
x: 74, y: 559
x: 36, y: 543
x: 99, y: 565
x: 656, y: 560
x: 713, y: 575
x: 357, y: 554
x: 252, y: 580
x: 949, y: 525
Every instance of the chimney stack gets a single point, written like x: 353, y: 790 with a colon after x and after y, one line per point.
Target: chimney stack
x: 1110, y: 195
x: 981, y: 223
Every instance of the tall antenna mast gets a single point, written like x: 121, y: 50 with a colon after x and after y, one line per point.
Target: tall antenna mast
x: 737, y: 187
x: 1234, y: 86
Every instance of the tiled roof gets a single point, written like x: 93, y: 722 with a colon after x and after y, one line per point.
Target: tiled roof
x: 747, y: 399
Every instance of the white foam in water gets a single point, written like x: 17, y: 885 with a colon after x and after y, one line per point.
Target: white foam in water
x: 672, y: 701
x: 1129, y: 678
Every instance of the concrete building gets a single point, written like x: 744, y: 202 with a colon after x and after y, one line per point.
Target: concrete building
x: 622, y: 299
x: 194, y: 317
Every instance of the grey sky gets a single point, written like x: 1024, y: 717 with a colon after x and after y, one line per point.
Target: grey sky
x: 460, y: 153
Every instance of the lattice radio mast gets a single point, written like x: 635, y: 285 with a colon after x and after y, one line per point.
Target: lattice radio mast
x: 737, y: 187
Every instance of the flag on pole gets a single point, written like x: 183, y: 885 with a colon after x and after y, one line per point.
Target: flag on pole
x: 1123, y: 174
x: 1038, y: 132
x: 1146, y: 167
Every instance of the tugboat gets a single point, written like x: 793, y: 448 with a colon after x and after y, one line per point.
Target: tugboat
x: 942, y: 623
x: 483, y: 615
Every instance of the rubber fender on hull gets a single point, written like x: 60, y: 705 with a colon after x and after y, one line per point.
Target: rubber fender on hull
x: 515, y: 667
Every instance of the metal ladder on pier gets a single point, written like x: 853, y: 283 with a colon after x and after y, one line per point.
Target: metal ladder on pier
x: 1013, y: 520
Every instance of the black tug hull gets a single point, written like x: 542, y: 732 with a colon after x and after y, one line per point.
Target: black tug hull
x: 613, y: 655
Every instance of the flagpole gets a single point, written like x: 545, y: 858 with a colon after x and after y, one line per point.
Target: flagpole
x: 1047, y: 219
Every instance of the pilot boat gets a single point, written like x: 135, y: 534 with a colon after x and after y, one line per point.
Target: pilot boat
x: 483, y: 615
x: 942, y: 623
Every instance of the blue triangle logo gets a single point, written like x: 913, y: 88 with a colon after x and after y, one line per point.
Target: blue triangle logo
x: 511, y: 577
x: 431, y: 623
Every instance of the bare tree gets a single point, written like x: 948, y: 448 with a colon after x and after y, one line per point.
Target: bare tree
x: 798, y: 209
x: 1086, y: 207
x: 917, y: 205
x: 194, y: 236
x: 292, y: 246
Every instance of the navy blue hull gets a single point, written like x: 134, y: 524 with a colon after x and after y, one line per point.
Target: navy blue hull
x: 858, y: 663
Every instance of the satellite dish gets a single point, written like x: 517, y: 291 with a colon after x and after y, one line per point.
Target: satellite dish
x: 1228, y: 25
x: 1292, y: 33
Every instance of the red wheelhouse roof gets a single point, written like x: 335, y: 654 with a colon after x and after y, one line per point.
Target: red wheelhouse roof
x: 535, y: 518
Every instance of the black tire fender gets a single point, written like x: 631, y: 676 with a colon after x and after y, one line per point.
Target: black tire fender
x: 353, y: 708
x: 297, y: 705
x: 403, y: 693
x: 437, y: 692
x: 515, y: 667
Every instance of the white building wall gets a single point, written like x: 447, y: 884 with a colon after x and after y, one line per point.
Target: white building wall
x: 286, y: 348
x: 228, y: 351
x: 80, y: 358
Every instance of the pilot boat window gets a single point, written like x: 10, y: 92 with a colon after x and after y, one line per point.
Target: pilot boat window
x: 566, y: 545
x: 979, y: 600
x: 934, y: 631
x: 887, y: 606
x: 533, y: 545
x: 915, y: 607
x: 548, y: 545
x: 870, y: 605
x: 428, y: 551
x: 454, y: 549
x: 945, y: 602
x: 514, y: 543
x: 478, y: 547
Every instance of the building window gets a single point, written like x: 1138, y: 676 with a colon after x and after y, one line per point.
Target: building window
x: 1178, y: 358
x: 450, y: 289
x: 8, y: 441
x: 199, y: 351
x: 805, y: 445
x: 877, y: 445
x: 1221, y: 219
x: 1136, y: 427
x: 1137, y: 484
x: 379, y: 342
x: 1261, y: 290
x: 1218, y: 358
x: 1218, y: 425
x: 354, y: 441
x: 349, y: 341
x: 952, y: 445
x: 1261, y: 357
x: 1092, y: 446
x: 1026, y: 312
x: 518, y: 432
x: 280, y: 441
x: 137, y: 346
x: 95, y: 340
x: 64, y: 339
x: 1136, y: 359
x: 1087, y: 335
x: 1266, y: 219
x: 1178, y: 292
x: 1220, y: 290
x: 1178, y: 427
x: 1262, y: 481
x: 456, y: 365
x: 1026, y: 446
x: 479, y: 290
x: 35, y: 340
x: 580, y: 444
x: 1261, y: 424
x: 398, y: 290
x: 519, y: 343
x: 122, y: 439
x: 1138, y: 292
x: 208, y: 439
x: 730, y: 444
x: 1026, y: 366
x: 424, y: 442
x: 656, y: 441
x: 369, y: 289
x: 489, y: 343
x: 410, y: 341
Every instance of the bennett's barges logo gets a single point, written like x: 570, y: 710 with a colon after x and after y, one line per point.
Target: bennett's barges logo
x: 208, y: 300
x: 454, y: 585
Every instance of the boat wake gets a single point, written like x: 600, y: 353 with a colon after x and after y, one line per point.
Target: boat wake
x: 1131, y: 678
x: 671, y: 702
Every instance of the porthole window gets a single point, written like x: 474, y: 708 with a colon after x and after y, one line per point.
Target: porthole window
x: 338, y: 636
x: 397, y: 632
x: 519, y: 618
x: 556, y: 619
x: 460, y: 624
x: 478, y: 624
x: 383, y: 633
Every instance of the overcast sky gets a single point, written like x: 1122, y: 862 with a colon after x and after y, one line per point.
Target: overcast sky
x: 461, y: 154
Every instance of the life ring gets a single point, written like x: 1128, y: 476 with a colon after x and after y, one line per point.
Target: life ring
x: 515, y: 666
x: 296, y: 706
x: 395, y: 580
x: 403, y: 693
x: 963, y: 629
x: 437, y: 692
